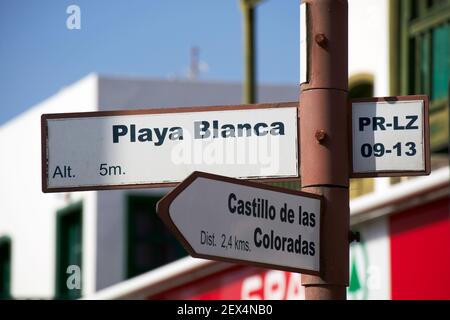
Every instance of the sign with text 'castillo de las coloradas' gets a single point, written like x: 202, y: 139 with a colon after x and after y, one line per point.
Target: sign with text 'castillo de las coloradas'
x: 161, y: 147
x: 227, y: 219
x: 390, y: 137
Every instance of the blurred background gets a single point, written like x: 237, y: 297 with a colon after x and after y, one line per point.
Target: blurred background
x: 67, y: 56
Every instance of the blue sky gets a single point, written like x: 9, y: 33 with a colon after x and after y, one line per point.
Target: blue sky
x: 145, y: 38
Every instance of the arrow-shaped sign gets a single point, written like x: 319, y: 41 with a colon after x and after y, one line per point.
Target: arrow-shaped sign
x: 226, y: 219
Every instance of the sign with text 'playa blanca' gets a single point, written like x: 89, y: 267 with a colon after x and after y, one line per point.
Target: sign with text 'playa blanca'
x: 161, y: 147
x: 221, y: 218
x: 390, y: 137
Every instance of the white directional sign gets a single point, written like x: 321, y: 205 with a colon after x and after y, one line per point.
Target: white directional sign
x: 221, y: 218
x: 161, y: 147
x: 390, y: 137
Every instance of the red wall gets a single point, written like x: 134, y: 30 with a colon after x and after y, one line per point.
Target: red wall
x: 420, y: 252
x: 223, y: 285
x: 241, y: 282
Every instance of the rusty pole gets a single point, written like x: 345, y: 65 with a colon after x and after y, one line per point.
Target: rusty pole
x: 324, y: 141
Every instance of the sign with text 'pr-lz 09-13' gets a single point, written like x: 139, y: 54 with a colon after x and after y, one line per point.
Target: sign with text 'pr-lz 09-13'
x: 390, y: 137
x: 161, y: 147
x: 226, y: 219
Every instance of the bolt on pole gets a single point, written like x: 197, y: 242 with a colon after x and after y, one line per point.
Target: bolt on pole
x: 324, y: 141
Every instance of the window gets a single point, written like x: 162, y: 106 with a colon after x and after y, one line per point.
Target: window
x: 5, y: 268
x: 360, y: 86
x: 150, y: 244
x: 421, y: 58
x: 68, y: 250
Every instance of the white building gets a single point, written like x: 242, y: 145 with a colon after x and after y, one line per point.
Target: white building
x: 36, y: 223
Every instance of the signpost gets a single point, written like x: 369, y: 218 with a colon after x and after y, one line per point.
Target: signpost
x: 324, y: 138
x: 221, y: 218
x: 161, y: 147
x: 390, y: 137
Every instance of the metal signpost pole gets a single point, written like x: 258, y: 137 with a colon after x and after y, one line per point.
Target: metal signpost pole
x: 324, y: 152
